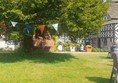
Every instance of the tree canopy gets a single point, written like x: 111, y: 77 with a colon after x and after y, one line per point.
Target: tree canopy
x: 75, y: 17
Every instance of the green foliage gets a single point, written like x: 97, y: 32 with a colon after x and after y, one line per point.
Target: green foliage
x: 1, y: 30
x: 14, y: 35
x: 86, y: 16
x: 55, y: 43
x: 76, y: 17
x: 66, y: 46
x: 99, y: 50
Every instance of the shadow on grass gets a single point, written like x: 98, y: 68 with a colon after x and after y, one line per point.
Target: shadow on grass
x: 35, y: 57
x: 105, y: 57
x: 108, y: 58
x: 98, y: 79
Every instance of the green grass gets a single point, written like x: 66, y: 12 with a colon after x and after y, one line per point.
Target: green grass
x: 54, y: 68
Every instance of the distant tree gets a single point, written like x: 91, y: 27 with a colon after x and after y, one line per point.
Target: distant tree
x: 84, y: 16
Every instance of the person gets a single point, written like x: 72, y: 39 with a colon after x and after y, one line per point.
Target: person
x: 113, y: 47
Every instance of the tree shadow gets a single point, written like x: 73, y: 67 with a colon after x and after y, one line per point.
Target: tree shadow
x: 98, y: 79
x: 36, y: 58
x: 105, y: 57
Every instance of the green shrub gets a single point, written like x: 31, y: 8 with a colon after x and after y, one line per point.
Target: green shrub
x: 100, y: 50
x: 66, y: 46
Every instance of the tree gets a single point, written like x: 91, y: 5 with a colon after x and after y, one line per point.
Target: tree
x: 84, y: 16
x: 76, y: 17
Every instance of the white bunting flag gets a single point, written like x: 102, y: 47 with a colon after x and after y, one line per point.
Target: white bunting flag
x: 104, y: 0
x: 13, y: 23
x: 55, y: 26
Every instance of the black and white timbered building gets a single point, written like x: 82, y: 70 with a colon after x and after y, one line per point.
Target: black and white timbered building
x: 109, y: 32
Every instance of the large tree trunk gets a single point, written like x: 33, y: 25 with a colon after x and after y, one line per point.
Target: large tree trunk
x: 28, y: 43
x: 43, y: 42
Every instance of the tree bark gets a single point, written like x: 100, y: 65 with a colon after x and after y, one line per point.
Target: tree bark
x: 28, y: 43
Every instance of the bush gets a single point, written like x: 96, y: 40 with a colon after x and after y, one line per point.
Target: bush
x: 100, y: 50
x: 66, y: 46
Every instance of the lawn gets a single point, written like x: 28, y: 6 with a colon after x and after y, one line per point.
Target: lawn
x: 54, y: 68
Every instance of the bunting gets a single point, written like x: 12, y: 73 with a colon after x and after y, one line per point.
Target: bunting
x: 2, y: 28
x: 28, y: 26
x: 104, y: 0
x: 13, y: 23
x: 41, y: 28
x: 55, y: 26
x: 2, y: 25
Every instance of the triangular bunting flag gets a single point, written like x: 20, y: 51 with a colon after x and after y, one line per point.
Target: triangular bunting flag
x: 55, y: 26
x: 2, y: 25
x: 28, y: 26
x: 41, y: 27
x: 13, y: 23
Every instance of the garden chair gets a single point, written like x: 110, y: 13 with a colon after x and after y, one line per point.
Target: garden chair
x: 109, y: 54
x: 115, y: 67
x: 111, y: 50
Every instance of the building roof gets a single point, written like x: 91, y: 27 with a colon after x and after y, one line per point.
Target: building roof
x: 114, y: 0
x: 113, y: 11
x: 111, y: 22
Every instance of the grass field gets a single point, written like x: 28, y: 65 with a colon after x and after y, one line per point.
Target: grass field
x: 55, y: 68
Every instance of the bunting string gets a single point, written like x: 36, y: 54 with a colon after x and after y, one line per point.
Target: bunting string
x: 28, y: 26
